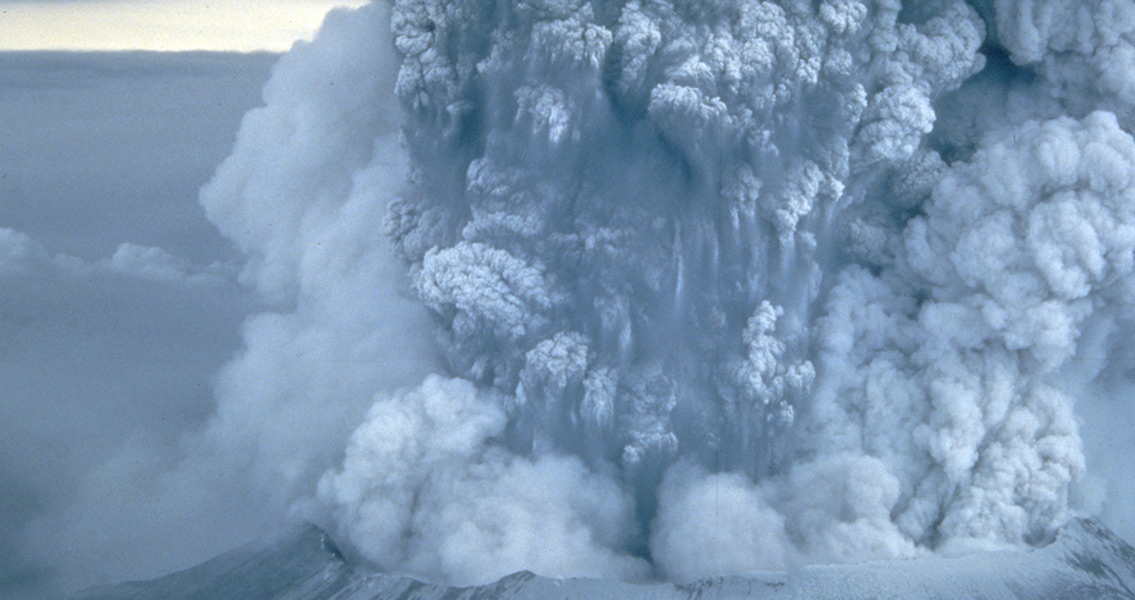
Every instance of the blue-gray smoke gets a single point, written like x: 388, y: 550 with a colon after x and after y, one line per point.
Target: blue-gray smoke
x: 716, y: 285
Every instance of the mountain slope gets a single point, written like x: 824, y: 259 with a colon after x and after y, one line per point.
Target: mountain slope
x: 1086, y: 562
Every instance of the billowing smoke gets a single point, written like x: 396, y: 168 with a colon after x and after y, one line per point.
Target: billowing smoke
x: 717, y: 285
x: 302, y: 196
x: 425, y: 463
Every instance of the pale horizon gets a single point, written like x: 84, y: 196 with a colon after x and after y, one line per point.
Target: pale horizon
x: 177, y: 25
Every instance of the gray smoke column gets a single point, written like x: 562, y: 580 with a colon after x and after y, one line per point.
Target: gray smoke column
x: 718, y: 285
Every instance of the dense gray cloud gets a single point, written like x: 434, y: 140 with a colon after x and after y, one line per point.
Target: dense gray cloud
x: 344, y: 326
x: 727, y: 245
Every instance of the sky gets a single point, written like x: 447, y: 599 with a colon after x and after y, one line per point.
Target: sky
x: 166, y: 25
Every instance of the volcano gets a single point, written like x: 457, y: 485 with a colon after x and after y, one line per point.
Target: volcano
x: 1087, y: 561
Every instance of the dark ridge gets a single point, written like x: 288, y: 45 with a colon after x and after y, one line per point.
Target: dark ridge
x: 304, y: 559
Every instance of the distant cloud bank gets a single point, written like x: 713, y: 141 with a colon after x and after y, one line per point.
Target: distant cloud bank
x: 169, y: 25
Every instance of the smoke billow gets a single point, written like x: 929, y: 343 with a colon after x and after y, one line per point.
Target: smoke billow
x: 424, y: 463
x: 301, y: 196
x: 717, y: 286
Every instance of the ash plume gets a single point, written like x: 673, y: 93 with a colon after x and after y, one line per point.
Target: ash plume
x: 715, y: 286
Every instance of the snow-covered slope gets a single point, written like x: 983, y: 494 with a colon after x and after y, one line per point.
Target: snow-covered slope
x: 1085, y: 562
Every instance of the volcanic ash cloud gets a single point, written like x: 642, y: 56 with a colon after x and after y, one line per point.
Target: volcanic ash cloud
x: 717, y: 286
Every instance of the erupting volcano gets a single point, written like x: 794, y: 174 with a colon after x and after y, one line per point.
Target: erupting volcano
x: 662, y: 290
